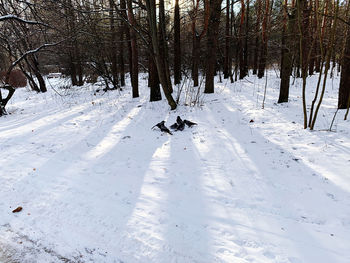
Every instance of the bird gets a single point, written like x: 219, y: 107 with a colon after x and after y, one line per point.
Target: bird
x: 174, y: 126
x: 189, y: 123
x: 162, y: 127
x: 179, y: 120
x: 180, y: 124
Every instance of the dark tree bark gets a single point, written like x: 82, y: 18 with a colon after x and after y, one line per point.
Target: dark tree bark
x: 121, y: 56
x: 195, y: 60
x: 317, y: 57
x: 31, y: 80
x: 37, y: 73
x: 11, y: 91
x: 314, y: 38
x: 4, y: 101
x: 212, y: 38
x: 153, y: 80
x: 242, y: 67
x: 72, y: 70
x: 124, y: 32
x: 134, y: 52
x: 236, y: 41
x: 230, y: 54
x: 196, y: 38
x: 127, y: 36
x: 79, y: 65
x: 75, y: 67
x: 163, y: 43
x: 263, y: 47
x: 287, y: 55
x: 344, y: 87
x: 177, y: 44
x: 245, y: 50
x: 159, y: 61
x: 227, y: 66
x: 113, y: 46
x: 2, y: 109
x: 257, y: 37
x: 302, y: 56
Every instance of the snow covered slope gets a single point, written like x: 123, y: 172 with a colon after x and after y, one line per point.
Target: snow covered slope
x: 246, y: 185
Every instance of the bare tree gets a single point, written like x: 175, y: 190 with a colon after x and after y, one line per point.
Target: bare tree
x: 212, y: 38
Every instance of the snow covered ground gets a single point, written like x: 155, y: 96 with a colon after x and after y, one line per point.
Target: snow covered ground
x: 98, y: 185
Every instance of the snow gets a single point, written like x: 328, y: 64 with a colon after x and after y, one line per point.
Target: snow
x: 98, y: 185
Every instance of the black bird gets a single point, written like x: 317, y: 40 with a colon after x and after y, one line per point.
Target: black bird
x: 189, y: 123
x: 180, y: 124
x: 162, y: 127
x: 179, y: 120
x: 174, y: 126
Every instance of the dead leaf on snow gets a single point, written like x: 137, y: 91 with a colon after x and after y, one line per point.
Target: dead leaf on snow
x: 18, y: 209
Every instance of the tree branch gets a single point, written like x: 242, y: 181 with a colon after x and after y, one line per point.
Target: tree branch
x: 13, y: 17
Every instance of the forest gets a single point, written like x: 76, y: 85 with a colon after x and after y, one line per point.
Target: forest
x: 176, y: 40
x: 175, y: 131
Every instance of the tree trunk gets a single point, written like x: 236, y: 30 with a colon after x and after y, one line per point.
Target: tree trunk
x: 4, y: 101
x: 31, y: 80
x: 344, y: 87
x: 153, y: 81
x: 2, y: 109
x: 231, y: 40
x: 124, y: 32
x: 302, y: 55
x: 195, y: 60
x: 287, y: 56
x: 177, y: 45
x: 227, y: 41
x: 134, y: 53
x: 163, y: 43
x: 72, y: 70
x: 242, y: 71
x: 245, y: 50
x: 212, y: 37
x: 38, y: 75
x: 314, y: 36
x: 263, y: 47
x: 127, y: 36
x: 196, y: 38
x: 257, y: 41
x: 330, y: 49
x: 121, y: 56
x: 152, y: 20
x: 113, y: 46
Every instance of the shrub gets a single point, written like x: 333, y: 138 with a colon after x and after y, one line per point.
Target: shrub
x: 17, y: 78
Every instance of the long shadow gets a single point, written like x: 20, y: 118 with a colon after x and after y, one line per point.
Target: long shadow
x: 47, y: 184
x: 98, y: 194
x: 265, y: 185
x: 184, y: 212
x: 44, y: 122
x: 313, y: 143
x: 16, y: 161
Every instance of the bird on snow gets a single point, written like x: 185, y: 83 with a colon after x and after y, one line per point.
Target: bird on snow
x: 162, y: 127
x: 180, y: 124
x: 189, y: 123
x: 174, y: 126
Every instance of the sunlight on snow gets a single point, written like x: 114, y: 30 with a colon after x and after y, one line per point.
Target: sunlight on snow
x: 341, y: 181
x: 34, y: 125
x: 214, y: 183
x: 112, y: 138
x: 148, y: 218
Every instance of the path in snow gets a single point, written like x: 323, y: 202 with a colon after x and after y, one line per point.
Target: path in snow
x: 98, y: 185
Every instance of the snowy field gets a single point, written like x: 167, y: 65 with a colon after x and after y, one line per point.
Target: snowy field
x: 98, y: 185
